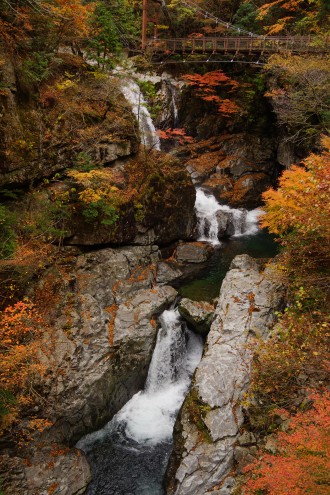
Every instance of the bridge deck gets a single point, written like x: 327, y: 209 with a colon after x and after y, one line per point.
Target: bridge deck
x: 301, y: 44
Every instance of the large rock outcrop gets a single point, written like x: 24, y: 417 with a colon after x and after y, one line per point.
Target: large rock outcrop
x: 198, y: 314
x: 103, y: 314
x: 151, y: 200
x: 208, y: 427
x: 102, y: 310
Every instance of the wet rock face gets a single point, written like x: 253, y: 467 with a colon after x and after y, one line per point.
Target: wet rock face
x: 237, y: 168
x: 102, y: 308
x: 197, y: 314
x: 169, y: 211
x: 104, y: 319
x: 226, y: 226
x: 208, y: 427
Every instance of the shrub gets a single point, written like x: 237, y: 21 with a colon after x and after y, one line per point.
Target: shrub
x: 301, y: 464
x: 96, y: 196
x: 20, y: 348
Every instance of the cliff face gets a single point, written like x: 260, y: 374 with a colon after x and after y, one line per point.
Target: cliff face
x: 209, y: 428
x: 44, y: 128
x: 236, y: 156
x: 236, y: 168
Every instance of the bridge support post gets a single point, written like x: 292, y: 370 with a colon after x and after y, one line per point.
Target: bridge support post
x: 144, y: 24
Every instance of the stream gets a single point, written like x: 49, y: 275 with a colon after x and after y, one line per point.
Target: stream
x: 129, y: 455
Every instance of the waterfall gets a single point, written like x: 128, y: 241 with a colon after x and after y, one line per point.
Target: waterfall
x: 206, y: 207
x: 172, y: 90
x: 148, y: 417
x: 134, y: 96
x: 215, y: 220
x: 175, y: 111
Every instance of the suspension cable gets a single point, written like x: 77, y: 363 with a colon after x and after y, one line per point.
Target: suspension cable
x: 207, y: 15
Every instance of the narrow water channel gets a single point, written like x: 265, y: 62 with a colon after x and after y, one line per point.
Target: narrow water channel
x: 130, y: 454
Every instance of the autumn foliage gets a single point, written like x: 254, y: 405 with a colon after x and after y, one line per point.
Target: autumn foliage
x: 206, y: 86
x: 301, y: 464
x: 280, y: 16
x: 176, y: 134
x: 21, y: 330
x: 297, y: 353
x: 54, y: 22
x: 299, y: 211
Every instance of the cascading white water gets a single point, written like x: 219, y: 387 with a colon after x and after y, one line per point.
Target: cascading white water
x: 175, y: 111
x: 134, y: 96
x: 149, y: 416
x: 206, y: 207
x: 173, y: 94
x: 243, y: 222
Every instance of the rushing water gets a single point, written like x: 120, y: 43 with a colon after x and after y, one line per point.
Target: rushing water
x: 209, y: 212
x: 134, y: 96
x: 129, y: 455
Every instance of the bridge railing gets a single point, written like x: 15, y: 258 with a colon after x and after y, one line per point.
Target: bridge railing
x: 235, y: 44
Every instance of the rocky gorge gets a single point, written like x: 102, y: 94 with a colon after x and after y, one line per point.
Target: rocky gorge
x: 104, y: 294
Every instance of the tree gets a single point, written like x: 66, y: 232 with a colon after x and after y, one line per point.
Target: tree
x: 70, y: 19
x: 301, y: 96
x: 246, y: 17
x: 178, y: 135
x: 296, y: 16
x: 47, y: 22
x: 301, y: 464
x: 113, y: 26
x: 299, y: 211
x: 206, y: 87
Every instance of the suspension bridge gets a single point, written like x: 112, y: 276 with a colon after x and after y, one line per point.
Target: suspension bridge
x: 243, y: 41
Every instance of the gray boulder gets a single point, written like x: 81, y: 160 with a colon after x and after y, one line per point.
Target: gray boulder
x: 198, y: 314
x: 193, y: 252
x: 226, y: 226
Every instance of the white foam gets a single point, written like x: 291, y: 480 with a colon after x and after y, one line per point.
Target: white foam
x: 206, y: 207
x: 245, y: 222
x: 149, y: 416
